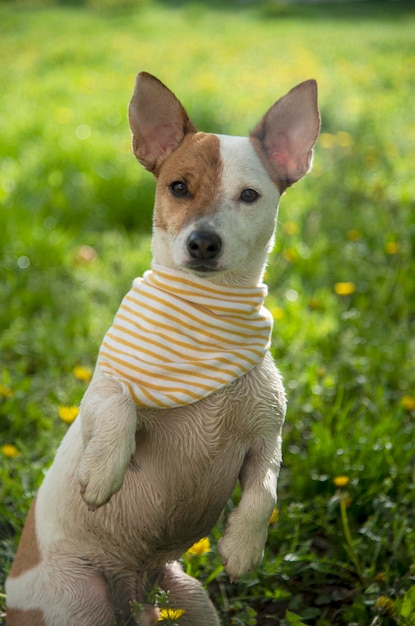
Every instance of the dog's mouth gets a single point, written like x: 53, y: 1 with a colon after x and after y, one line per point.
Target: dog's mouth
x: 203, y: 268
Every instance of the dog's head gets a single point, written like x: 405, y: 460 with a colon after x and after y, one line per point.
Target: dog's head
x: 217, y: 195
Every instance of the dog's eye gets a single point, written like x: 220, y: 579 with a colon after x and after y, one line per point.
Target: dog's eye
x: 179, y: 189
x: 249, y: 196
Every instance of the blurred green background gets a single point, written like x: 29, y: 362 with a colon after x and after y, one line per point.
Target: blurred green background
x: 75, y: 224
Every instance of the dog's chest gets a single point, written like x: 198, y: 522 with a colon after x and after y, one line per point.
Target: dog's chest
x: 186, y: 465
x: 230, y: 418
x: 196, y: 452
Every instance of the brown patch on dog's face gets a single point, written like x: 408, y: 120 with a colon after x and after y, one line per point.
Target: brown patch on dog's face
x: 28, y: 554
x: 197, y: 165
x: 16, y: 617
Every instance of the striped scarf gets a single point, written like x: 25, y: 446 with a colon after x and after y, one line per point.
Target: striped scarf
x: 176, y: 338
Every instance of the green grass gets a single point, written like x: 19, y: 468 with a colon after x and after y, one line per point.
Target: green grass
x: 336, y: 555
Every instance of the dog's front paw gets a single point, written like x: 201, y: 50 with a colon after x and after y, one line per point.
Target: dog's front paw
x: 101, y: 473
x: 241, y: 550
x: 109, y: 446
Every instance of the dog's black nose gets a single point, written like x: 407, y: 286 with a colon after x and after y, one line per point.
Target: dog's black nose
x: 203, y: 245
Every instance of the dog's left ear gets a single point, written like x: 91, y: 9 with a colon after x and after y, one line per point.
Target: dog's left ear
x: 158, y: 121
x: 287, y: 134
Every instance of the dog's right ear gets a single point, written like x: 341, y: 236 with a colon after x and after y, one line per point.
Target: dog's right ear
x: 158, y: 121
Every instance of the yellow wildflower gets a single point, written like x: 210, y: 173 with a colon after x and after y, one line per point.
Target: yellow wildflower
x: 327, y: 140
x: 291, y: 228
x: 200, y: 547
x: 68, y: 413
x: 344, y: 139
x: 341, y: 481
x: 354, y: 234
x: 408, y: 403
x: 392, y: 247
x: 170, y: 614
x: 5, y: 392
x: 82, y: 373
x: 10, y: 451
x: 344, y: 288
x: 290, y: 255
x: 274, y: 516
x: 385, y: 604
x: 277, y: 312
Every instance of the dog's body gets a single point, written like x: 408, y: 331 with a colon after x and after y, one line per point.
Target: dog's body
x: 154, y: 480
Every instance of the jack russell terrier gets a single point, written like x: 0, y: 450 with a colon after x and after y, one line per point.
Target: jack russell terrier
x: 185, y: 399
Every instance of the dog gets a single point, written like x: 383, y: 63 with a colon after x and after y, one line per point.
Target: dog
x: 163, y: 437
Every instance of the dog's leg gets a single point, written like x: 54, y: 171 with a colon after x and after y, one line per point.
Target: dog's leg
x: 242, y: 545
x: 187, y: 593
x: 109, y: 423
x: 59, y: 592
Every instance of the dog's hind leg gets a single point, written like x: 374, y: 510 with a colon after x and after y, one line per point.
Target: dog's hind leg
x: 186, y: 593
x: 59, y: 592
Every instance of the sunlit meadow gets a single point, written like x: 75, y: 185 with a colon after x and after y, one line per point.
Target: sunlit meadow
x: 75, y: 220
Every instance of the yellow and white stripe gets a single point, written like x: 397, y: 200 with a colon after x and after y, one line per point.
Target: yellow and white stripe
x: 176, y: 338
